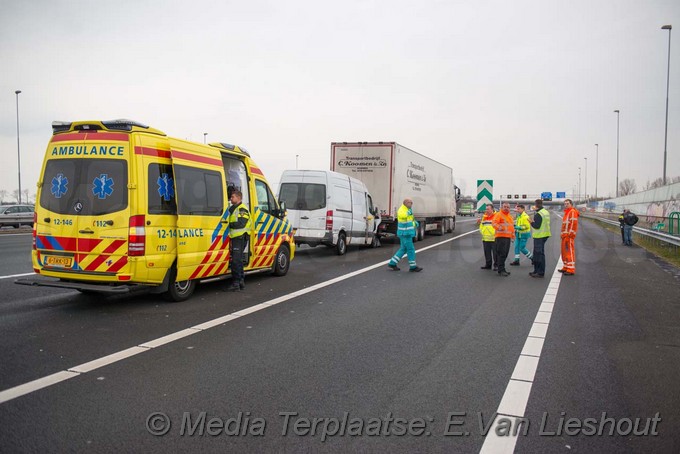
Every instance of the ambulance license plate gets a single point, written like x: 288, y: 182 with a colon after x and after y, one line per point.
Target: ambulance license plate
x: 59, y: 261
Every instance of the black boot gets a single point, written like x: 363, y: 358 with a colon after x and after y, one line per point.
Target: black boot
x: 242, y: 284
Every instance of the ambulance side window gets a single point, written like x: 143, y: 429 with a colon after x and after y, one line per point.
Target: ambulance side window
x: 265, y: 198
x: 161, y: 189
x: 199, y: 191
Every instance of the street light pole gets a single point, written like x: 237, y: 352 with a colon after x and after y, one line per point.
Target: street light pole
x: 579, y: 184
x: 617, y: 151
x: 585, y: 183
x: 205, y: 136
x: 668, y: 75
x: 296, y: 161
x: 597, y: 153
x: 18, y: 148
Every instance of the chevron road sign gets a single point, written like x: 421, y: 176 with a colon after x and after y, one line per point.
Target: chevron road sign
x: 484, y: 194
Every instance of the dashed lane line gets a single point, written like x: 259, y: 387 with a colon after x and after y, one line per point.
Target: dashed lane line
x: 514, y: 402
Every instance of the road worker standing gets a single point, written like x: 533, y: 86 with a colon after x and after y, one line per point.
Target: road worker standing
x: 239, y: 232
x: 505, y: 232
x: 522, y: 234
x: 568, y: 234
x: 406, y: 230
x: 488, y: 238
x: 540, y: 231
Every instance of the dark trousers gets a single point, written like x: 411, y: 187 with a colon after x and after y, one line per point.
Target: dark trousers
x: 503, y: 249
x: 236, y: 246
x: 623, y: 236
x: 539, y: 255
x: 490, y: 253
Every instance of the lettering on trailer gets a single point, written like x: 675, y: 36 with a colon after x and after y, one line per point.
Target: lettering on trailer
x: 484, y: 194
x: 362, y: 162
x: 416, y: 174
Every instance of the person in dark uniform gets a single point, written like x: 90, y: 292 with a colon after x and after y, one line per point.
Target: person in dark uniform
x: 239, y: 232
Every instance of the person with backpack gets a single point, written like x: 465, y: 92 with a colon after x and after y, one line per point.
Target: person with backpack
x: 629, y: 220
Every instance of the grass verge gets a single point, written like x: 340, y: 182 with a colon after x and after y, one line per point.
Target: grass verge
x: 665, y: 251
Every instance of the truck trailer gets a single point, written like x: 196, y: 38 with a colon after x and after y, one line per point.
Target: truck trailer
x: 392, y: 172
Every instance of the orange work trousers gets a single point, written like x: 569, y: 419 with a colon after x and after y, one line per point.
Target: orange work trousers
x: 569, y: 254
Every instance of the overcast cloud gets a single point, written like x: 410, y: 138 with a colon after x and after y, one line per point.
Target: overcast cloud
x: 515, y: 91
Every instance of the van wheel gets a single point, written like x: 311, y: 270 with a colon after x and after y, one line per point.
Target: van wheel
x: 179, y: 291
x: 341, y: 246
x: 375, y: 242
x: 281, y: 262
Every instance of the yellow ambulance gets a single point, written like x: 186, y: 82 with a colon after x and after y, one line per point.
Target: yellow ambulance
x: 122, y: 206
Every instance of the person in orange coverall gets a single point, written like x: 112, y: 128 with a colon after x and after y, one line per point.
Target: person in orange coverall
x: 568, y: 233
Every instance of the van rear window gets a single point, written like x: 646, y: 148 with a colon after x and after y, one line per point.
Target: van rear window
x: 303, y: 196
x: 87, y: 187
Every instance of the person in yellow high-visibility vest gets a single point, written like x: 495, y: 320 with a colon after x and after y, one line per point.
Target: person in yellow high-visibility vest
x: 239, y: 231
x: 406, y: 230
x: 488, y: 238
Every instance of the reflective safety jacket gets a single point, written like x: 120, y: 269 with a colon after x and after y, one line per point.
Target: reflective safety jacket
x: 406, y: 224
x: 239, y: 220
x: 522, y: 226
x: 486, y: 228
x: 569, y: 223
x: 543, y: 231
x: 504, y: 225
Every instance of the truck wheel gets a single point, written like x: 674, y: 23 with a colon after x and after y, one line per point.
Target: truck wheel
x: 449, y: 225
x: 341, y: 246
x: 282, y: 261
x: 179, y: 291
x: 442, y: 227
x: 421, y: 232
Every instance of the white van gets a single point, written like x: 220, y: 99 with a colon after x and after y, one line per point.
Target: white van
x: 330, y: 208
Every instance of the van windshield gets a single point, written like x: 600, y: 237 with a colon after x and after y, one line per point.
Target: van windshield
x: 303, y: 196
x: 87, y: 187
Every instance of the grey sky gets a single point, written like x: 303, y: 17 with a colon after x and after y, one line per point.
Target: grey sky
x: 514, y: 91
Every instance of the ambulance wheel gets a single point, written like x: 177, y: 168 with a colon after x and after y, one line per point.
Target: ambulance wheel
x: 282, y: 261
x: 179, y: 291
x: 341, y: 247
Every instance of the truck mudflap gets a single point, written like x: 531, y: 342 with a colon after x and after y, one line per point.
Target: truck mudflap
x: 98, y: 288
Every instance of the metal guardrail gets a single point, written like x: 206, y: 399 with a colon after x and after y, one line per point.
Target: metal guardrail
x: 666, y: 238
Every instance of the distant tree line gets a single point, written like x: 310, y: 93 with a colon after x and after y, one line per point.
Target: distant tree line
x: 26, y: 197
x: 628, y: 186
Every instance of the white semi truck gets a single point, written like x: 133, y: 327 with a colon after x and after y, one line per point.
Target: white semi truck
x: 392, y: 172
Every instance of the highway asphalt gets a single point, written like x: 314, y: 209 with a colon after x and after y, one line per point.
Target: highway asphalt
x: 378, y: 361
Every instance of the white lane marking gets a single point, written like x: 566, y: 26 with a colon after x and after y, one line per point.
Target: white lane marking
x: 44, y: 382
x: 16, y: 275
x: 516, y: 396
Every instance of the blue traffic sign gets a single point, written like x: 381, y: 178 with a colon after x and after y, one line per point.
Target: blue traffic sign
x: 561, y: 195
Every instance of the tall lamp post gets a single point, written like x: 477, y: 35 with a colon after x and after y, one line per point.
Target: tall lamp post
x: 18, y: 148
x: 585, y: 183
x: 668, y: 75
x: 617, y: 151
x: 579, y: 184
x: 597, y: 153
x: 296, y: 161
x: 205, y: 137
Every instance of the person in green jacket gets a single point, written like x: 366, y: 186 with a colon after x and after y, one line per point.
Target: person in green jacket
x: 522, y: 234
x: 406, y: 230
